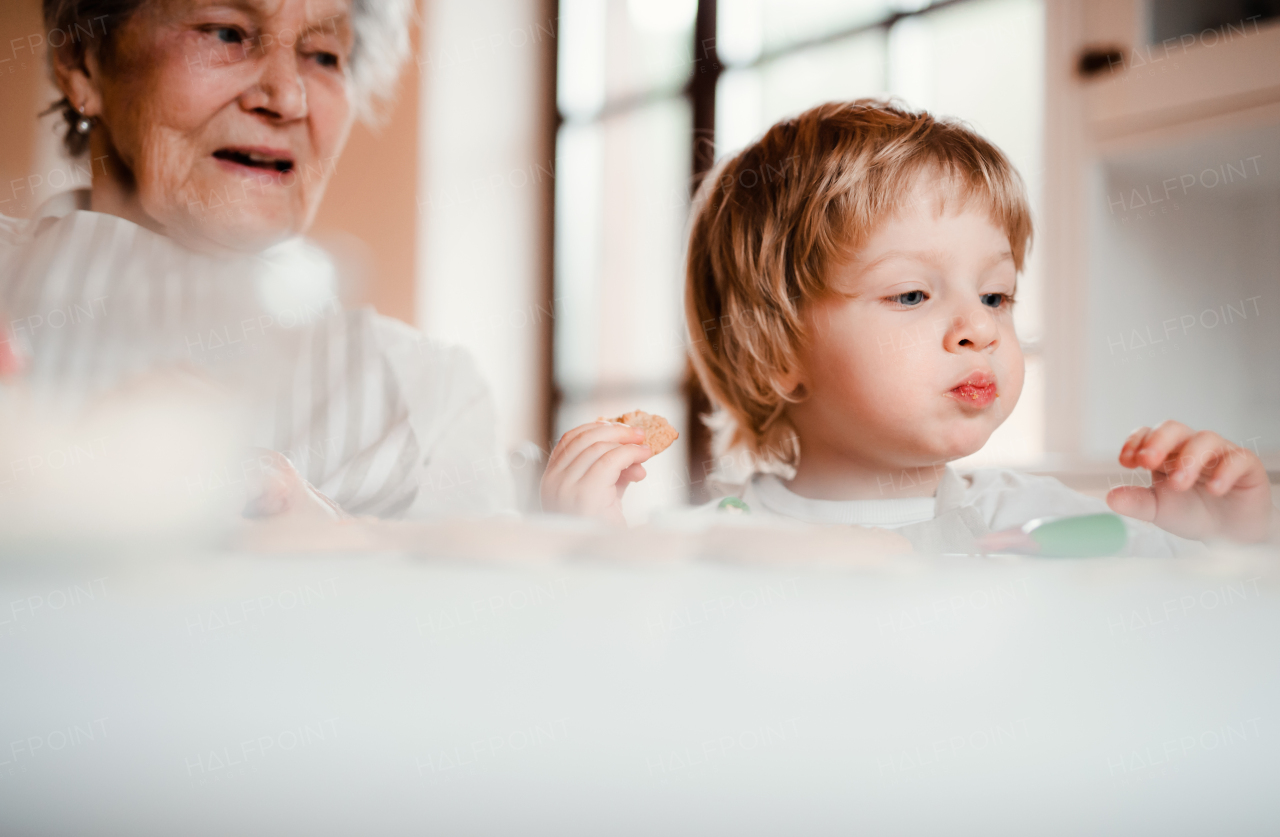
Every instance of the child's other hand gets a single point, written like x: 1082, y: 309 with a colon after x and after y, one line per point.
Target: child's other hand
x: 590, y: 469
x: 1202, y: 486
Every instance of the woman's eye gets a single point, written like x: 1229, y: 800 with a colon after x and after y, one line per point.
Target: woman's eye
x: 910, y: 298
x: 229, y: 35
x: 326, y: 59
x: 996, y: 300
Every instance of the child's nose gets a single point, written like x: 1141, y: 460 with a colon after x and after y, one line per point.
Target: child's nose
x: 972, y: 330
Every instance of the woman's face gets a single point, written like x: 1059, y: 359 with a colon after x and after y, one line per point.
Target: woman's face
x: 223, y: 119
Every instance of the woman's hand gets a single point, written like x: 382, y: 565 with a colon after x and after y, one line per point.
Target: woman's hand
x: 280, y: 493
x: 590, y: 469
x: 1202, y: 486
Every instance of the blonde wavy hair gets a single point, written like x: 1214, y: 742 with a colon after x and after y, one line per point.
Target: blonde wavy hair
x: 770, y: 222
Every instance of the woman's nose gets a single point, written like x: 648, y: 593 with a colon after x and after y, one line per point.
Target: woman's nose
x: 974, y: 329
x: 280, y: 93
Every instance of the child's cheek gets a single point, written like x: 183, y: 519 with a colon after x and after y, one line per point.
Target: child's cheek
x: 1015, y: 370
x: 892, y: 370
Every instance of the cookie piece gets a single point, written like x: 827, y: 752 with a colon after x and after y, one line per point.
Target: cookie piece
x: 658, y: 432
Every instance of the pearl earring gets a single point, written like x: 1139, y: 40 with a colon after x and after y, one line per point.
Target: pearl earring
x: 84, y: 124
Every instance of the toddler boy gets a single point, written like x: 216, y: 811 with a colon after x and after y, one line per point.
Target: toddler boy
x: 850, y: 291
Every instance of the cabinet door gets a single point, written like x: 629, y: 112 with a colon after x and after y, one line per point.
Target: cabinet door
x: 1162, y: 230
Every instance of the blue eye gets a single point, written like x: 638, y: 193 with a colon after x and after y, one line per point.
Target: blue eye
x: 996, y: 300
x: 229, y: 35
x: 910, y: 298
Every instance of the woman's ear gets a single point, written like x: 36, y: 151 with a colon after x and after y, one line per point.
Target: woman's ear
x: 77, y: 77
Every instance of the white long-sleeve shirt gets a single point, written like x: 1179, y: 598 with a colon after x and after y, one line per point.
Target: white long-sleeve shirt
x: 964, y: 508
x: 377, y: 417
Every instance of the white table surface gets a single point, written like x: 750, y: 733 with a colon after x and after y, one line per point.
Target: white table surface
x: 202, y: 692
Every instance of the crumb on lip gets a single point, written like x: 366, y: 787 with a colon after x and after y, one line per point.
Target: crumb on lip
x: 971, y: 391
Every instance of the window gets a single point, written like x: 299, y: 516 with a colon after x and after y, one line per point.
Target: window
x: 628, y: 98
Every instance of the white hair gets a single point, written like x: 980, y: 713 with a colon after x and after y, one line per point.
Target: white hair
x: 381, y: 46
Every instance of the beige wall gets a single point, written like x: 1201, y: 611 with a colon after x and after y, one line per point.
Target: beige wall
x: 369, y: 214
x: 21, y: 75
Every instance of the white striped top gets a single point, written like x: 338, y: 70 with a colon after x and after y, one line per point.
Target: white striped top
x: 377, y: 417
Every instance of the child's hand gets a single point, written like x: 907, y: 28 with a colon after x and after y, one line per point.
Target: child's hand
x: 590, y: 469
x: 1202, y: 486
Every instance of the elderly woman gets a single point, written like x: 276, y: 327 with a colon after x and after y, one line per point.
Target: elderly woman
x: 213, y: 126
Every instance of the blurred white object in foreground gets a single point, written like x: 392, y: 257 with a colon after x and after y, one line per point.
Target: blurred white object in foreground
x: 135, y: 465
x: 555, y: 693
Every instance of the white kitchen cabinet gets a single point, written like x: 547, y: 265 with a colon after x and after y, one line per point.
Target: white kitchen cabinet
x: 1161, y: 227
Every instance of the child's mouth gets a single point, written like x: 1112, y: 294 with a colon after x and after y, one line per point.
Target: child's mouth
x: 978, y: 391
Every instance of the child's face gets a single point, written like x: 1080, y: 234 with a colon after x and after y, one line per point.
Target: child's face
x: 913, y: 361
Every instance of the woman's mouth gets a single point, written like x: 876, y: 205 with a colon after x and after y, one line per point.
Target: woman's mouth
x: 976, y: 391
x: 262, y: 159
